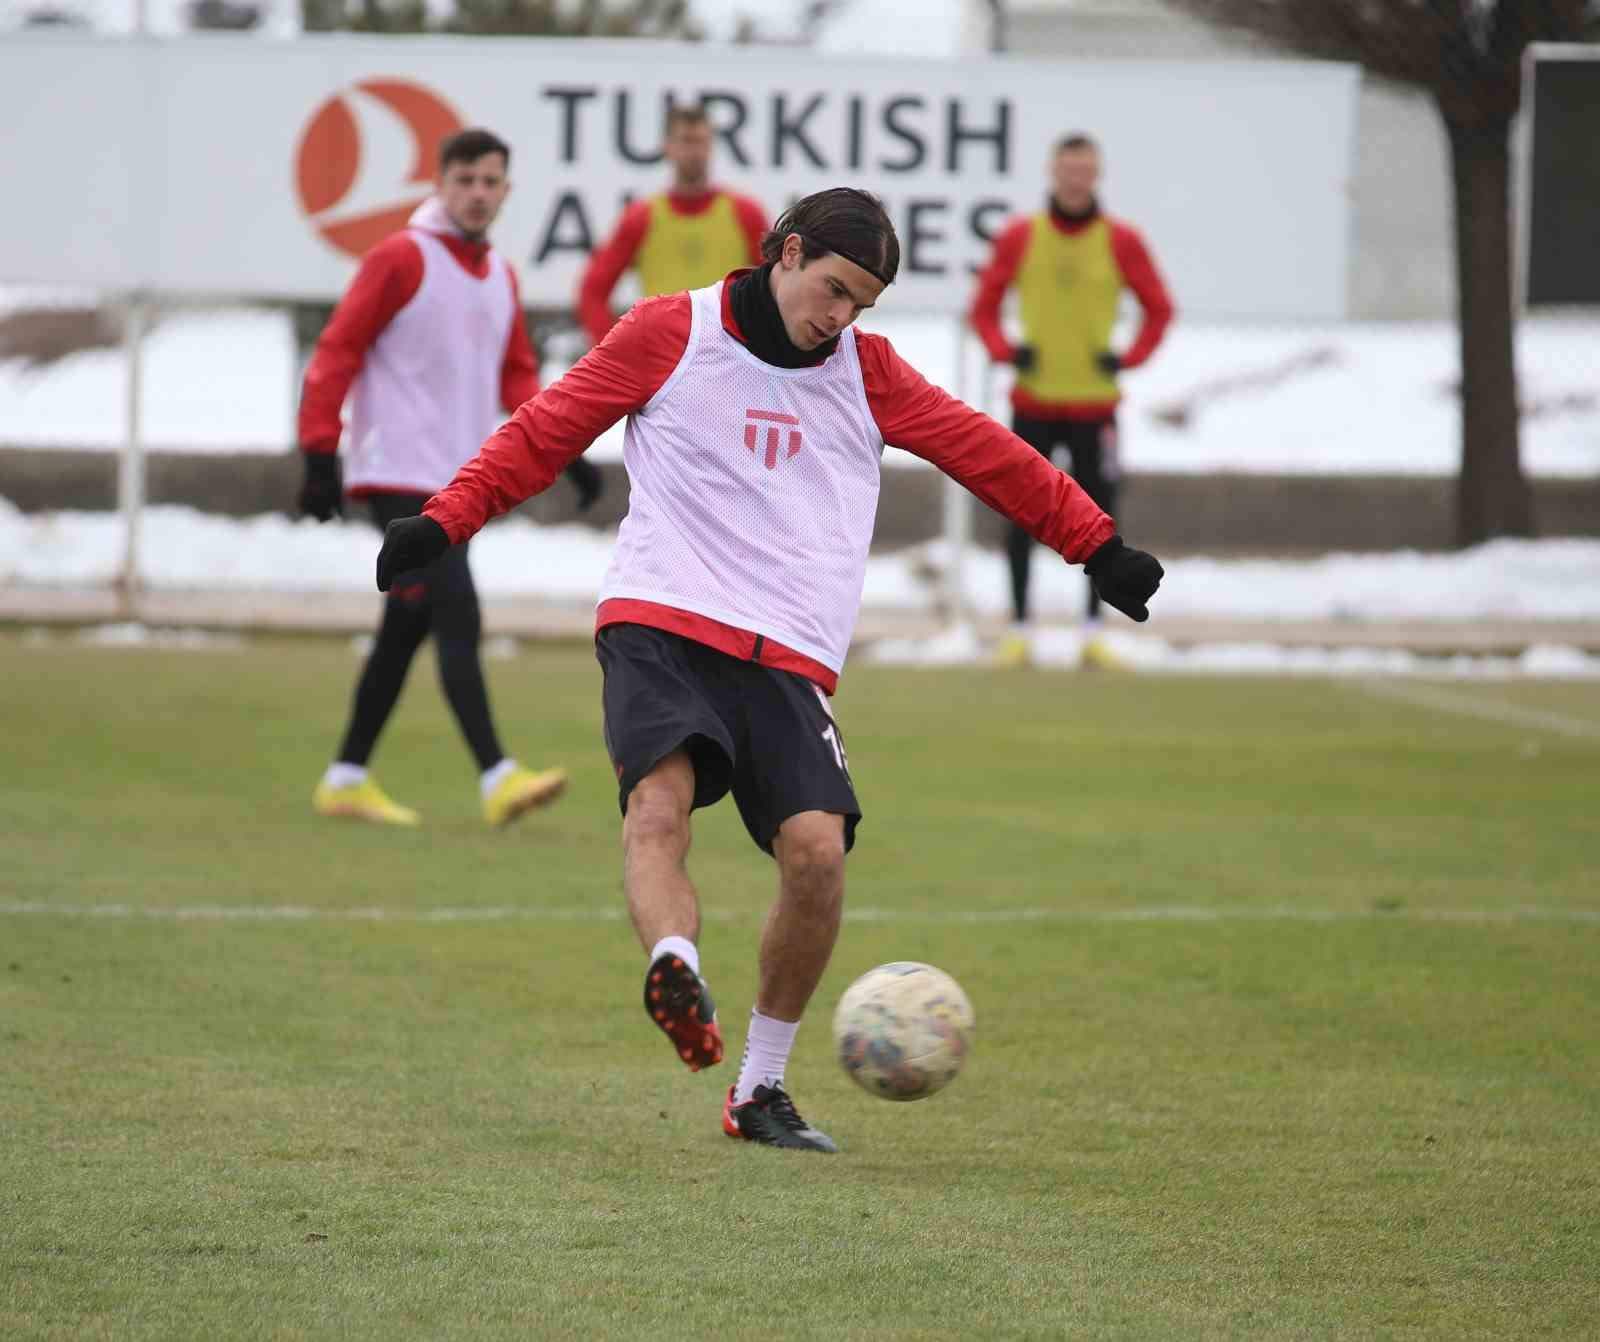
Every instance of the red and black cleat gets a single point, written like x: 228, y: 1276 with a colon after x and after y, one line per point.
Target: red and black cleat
x: 680, y: 1004
x: 770, y: 1118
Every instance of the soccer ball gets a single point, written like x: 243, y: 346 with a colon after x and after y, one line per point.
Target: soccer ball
x: 903, y: 1030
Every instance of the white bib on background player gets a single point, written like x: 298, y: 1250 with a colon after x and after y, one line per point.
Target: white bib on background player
x: 429, y: 392
x: 753, y: 491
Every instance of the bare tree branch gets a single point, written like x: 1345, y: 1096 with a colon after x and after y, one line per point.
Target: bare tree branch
x: 1383, y: 38
x: 1468, y: 54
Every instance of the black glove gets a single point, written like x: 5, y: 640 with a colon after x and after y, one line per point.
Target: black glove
x: 1110, y: 364
x: 322, y: 491
x: 409, y: 543
x: 1024, y: 358
x: 587, y: 480
x: 1125, y: 578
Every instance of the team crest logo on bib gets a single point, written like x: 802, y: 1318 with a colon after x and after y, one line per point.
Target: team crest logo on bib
x: 772, y: 419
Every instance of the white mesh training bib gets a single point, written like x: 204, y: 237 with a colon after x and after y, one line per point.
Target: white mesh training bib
x: 429, y: 392
x: 754, y: 491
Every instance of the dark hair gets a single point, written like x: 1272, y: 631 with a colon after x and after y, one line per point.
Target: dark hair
x: 468, y: 146
x: 1077, y: 140
x: 686, y: 114
x: 843, y: 220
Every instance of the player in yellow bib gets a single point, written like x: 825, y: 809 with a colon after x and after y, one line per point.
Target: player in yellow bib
x: 687, y: 237
x: 1070, y: 264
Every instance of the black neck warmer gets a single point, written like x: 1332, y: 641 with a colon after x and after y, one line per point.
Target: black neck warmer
x: 756, y: 311
x: 1082, y: 217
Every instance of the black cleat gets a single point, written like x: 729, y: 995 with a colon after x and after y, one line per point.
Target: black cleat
x: 680, y: 1004
x: 769, y: 1117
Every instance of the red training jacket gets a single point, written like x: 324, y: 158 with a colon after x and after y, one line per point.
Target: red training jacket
x: 624, y: 371
x: 388, y: 278
x: 608, y: 261
x: 1139, y: 273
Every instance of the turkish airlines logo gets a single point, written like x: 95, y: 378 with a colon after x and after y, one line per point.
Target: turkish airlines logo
x: 754, y: 419
x: 367, y: 157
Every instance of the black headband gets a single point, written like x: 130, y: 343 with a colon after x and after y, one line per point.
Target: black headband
x: 875, y: 271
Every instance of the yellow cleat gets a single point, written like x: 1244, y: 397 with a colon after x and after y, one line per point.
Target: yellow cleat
x: 362, y: 801
x: 1098, y: 655
x: 523, y: 790
x: 1014, y: 650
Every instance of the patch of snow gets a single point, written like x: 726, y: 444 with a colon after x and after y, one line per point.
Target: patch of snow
x: 1312, y: 399
x: 1062, y: 649
x: 181, y: 548
x: 127, y: 635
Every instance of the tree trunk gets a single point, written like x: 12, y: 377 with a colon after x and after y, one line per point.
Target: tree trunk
x: 1492, y: 497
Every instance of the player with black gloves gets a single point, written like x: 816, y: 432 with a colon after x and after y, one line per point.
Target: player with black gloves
x: 1069, y: 264
x: 757, y: 417
x: 1124, y: 577
x: 430, y: 339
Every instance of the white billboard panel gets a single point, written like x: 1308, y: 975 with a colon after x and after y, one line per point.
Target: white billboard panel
x: 217, y: 165
x: 71, y: 132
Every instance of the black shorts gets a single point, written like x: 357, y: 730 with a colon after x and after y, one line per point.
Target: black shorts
x: 766, y: 735
x: 1091, y: 451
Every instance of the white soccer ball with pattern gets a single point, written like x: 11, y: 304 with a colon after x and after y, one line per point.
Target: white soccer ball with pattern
x: 903, y: 1030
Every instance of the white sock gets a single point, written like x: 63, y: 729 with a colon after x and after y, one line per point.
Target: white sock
x: 495, y: 774
x: 341, y: 774
x: 682, y: 947
x: 1091, y: 625
x: 1021, y: 629
x: 766, y: 1050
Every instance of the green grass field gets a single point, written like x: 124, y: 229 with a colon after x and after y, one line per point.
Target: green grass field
x: 1288, y: 1009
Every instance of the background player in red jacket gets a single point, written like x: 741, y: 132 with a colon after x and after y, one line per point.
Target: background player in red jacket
x: 430, y: 337
x: 1069, y: 264
x: 688, y: 236
x: 757, y: 417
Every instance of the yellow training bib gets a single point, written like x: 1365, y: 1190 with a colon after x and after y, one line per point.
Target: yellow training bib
x: 1070, y: 287
x: 690, y: 251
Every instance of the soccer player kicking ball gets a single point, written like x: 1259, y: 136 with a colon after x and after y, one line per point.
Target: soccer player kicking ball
x: 756, y: 421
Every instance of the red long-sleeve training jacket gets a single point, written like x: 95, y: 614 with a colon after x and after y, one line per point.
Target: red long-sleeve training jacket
x: 1139, y: 273
x: 388, y: 278
x: 620, y: 375
x: 608, y: 262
